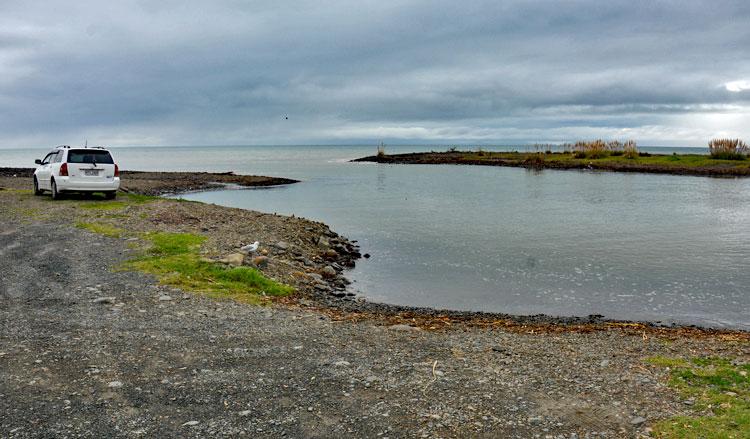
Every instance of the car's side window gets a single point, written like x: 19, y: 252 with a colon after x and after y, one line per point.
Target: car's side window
x: 48, y: 158
x: 59, y: 156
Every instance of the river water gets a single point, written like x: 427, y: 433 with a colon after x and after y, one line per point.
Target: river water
x: 627, y: 246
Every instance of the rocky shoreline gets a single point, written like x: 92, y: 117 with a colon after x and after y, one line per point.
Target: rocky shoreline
x: 160, y: 183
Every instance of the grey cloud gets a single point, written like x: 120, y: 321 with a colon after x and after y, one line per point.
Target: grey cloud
x: 229, y: 71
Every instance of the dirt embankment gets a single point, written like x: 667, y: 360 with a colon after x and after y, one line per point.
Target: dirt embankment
x: 158, y: 183
x: 533, y: 160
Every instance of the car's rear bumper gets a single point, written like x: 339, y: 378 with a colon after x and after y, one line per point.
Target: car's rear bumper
x: 66, y: 184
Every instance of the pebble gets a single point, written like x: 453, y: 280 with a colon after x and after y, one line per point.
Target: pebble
x: 245, y: 413
x: 281, y: 245
x: 638, y: 420
x: 342, y: 363
x: 190, y: 423
x: 104, y: 300
x: 165, y: 298
x: 115, y: 384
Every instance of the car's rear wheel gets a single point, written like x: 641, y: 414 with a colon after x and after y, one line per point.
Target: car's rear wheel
x: 55, y: 194
x: 110, y: 195
x: 37, y: 191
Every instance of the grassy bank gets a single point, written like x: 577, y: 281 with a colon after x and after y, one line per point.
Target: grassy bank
x: 174, y: 259
x: 166, y: 249
x: 715, y: 387
x: 681, y: 164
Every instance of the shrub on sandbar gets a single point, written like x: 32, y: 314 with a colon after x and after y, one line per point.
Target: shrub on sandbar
x: 728, y: 149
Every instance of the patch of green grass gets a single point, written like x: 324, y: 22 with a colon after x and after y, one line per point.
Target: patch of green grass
x: 104, y: 205
x: 174, y: 259
x: 717, y: 387
x: 102, y: 229
x: 141, y: 199
x: 169, y: 244
x: 728, y: 156
x: 577, y: 157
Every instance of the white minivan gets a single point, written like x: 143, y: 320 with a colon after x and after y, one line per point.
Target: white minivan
x: 70, y: 169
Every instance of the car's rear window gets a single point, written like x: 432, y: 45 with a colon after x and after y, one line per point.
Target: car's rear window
x: 89, y: 156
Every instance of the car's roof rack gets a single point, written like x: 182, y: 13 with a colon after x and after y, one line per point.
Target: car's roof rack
x: 82, y: 147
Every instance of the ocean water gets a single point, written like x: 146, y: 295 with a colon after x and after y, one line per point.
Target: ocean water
x: 627, y: 246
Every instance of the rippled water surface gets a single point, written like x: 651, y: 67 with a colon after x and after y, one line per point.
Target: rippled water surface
x: 630, y: 246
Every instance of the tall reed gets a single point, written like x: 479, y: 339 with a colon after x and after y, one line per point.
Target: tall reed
x: 728, y: 149
x: 596, y: 149
x: 630, y: 149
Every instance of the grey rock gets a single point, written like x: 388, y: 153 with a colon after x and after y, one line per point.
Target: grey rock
x: 403, y: 328
x: 115, y: 384
x: 331, y: 254
x: 638, y: 420
x: 104, y: 300
x: 234, y: 259
x: 328, y: 272
x: 190, y: 423
x: 281, y: 245
x: 534, y: 420
x: 165, y: 298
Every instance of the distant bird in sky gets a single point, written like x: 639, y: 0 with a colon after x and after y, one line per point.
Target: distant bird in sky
x: 250, y: 248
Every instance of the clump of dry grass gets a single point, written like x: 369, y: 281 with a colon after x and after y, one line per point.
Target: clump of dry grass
x: 590, y: 149
x: 630, y: 149
x: 381, y: 150
x: 728, y: 149
x: 596, y: 149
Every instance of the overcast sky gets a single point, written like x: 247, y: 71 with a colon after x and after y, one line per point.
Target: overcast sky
x: 229, y: 72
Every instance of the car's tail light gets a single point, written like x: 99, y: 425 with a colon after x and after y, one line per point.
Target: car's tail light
x: 64, y: 170
x: 117, y: 171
